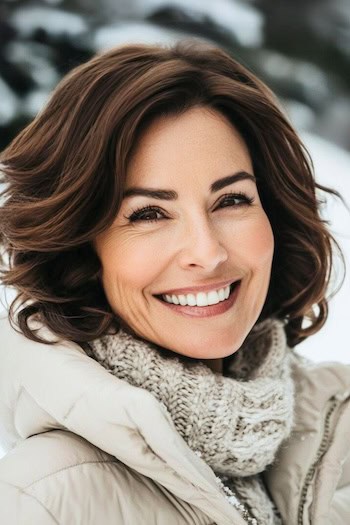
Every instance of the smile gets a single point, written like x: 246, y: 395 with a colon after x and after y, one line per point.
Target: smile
x: 197, y: 305
x: 199, y: 299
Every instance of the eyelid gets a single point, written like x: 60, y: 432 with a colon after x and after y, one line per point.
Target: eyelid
x: 140, y: 209
x: 152, y: 207
x: 237, y: 194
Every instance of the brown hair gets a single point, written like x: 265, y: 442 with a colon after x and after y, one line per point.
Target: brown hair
x: 65, y: 174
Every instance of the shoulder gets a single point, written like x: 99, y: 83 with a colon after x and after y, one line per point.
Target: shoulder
x: 27, y: 379
x: 11, y: 333
x: 317, y: 387
x: 59, y: 477
x: 311, y: 474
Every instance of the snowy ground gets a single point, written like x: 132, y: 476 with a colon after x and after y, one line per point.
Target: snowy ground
x: 332, y: 167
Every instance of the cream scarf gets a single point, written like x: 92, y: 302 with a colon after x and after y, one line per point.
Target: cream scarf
x: 234, y: 422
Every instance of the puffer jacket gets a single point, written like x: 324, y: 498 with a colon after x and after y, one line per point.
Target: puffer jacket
x: 87, y: 448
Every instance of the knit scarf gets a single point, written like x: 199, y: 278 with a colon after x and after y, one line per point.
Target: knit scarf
x: 234, y: 422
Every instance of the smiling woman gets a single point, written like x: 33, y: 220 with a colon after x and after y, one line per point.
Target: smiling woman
x: 199, y: 235
x: 161, y: 226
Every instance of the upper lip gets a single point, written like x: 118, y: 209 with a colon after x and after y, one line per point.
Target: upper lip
x: 197, y: 289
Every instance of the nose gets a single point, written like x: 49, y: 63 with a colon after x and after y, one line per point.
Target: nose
x: 201, y: 246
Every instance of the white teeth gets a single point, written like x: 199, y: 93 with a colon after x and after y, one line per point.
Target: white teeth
x: 183, y: 300
x: 221, y: 293
x: 191, y: 299
x: 213, y: 298
x: 199, y: 299
x: 174, y: 299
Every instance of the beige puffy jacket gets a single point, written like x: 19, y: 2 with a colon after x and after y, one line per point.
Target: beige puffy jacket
x: 86, y: 448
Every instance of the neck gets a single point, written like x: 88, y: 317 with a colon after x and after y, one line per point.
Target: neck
x: 214, y: 364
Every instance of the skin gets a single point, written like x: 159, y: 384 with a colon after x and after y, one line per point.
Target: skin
x: 197, y: 240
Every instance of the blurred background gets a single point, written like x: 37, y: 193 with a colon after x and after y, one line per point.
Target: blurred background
x: 301, y: 49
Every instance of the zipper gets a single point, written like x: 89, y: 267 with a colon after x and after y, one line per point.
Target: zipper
x: 335, y: 401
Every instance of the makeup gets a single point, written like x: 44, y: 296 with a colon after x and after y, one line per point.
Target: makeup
x: 206, y: 311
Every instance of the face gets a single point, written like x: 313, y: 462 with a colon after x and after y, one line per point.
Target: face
x: 207, y: 231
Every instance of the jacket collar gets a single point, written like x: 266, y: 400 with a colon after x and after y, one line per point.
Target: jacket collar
x: 44, y: 386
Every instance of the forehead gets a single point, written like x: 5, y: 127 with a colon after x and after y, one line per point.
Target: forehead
x: 198, y: 145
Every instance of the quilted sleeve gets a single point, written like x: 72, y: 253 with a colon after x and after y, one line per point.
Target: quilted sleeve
x: 60, y: 478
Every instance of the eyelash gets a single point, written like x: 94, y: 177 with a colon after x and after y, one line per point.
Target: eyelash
x: 135, y: 216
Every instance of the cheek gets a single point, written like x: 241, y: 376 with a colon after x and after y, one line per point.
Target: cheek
x: 265, y: 241
x: 129, y: 265
x: 258, y: 242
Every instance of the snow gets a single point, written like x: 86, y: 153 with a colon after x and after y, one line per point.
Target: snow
x: 56, y: 22
x: 8, y: 103
x: 115, y: 34
x: 240, y: 19
x: 332, y: 168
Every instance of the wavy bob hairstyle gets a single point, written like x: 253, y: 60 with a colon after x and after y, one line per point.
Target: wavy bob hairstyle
x: 64, y: 177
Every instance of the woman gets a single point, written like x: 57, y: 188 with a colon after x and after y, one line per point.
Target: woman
x: 162, y: 230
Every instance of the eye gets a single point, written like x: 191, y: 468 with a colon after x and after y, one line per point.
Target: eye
x: 236, y: 200
x: 146, y: 213
x: 149, y: 213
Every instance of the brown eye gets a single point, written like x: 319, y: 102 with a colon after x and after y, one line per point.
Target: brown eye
x: 146, y: 214
x: 236, y: 199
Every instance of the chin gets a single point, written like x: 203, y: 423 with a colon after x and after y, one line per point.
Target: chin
x: 207, y: 351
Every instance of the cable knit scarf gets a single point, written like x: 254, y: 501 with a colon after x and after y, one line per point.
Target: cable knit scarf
x: 235, y: 422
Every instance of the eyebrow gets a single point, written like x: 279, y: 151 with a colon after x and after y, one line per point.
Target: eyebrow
x: 170, y: 195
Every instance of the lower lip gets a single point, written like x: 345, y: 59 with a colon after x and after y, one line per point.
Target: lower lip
x: 205, y: 311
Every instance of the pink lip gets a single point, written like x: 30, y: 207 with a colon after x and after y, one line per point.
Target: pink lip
x: 197, y: 289
x: 206, y: 311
